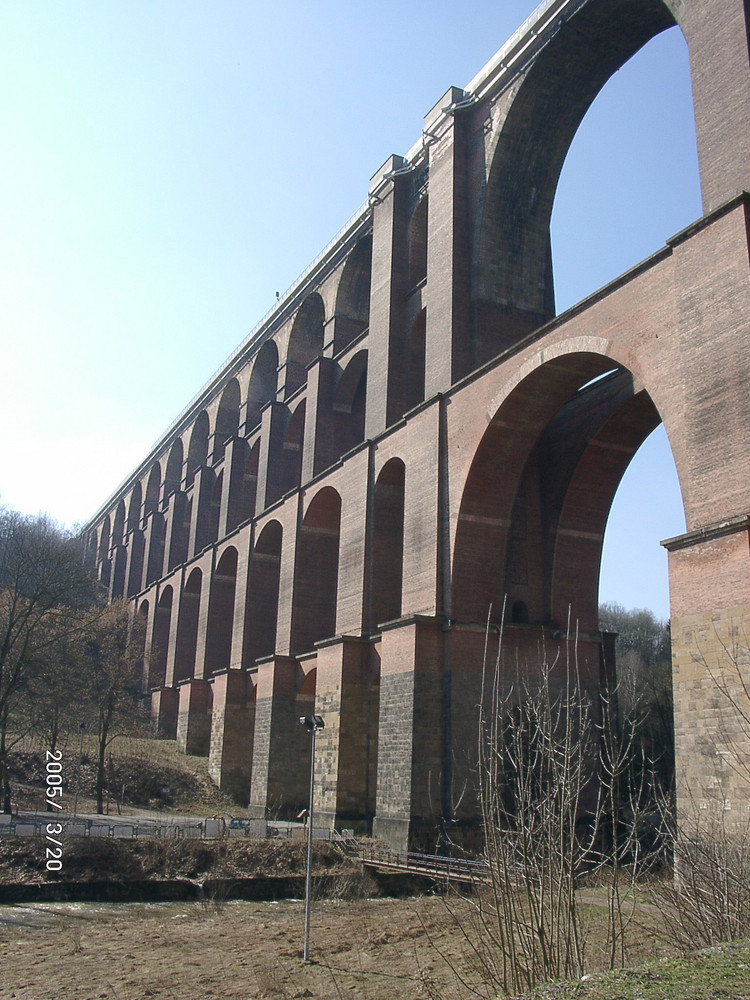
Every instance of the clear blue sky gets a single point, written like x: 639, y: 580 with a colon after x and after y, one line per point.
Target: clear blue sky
x: 168, y: 167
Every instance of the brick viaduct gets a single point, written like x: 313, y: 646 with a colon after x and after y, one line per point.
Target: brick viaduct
x: 413, y: 435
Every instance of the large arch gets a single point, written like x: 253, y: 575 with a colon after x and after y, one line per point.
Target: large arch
x: 535, y: 503
x: 387, y: 543
x: 187, y: 627
x: 352, y: 315
x: 153, y: 489
x: 134, y: 508
x: 263, y: 382
x: 198, y: 447
x: 160, y: 642
x: 290, y: 459
x: 349, y: 400
x: 227, y: 418
x: 305, y: 341
x: 316, y: 572
x: 173, y: 474
x: 262, y: 608
x: 513, y: 284
x: 219, y: 627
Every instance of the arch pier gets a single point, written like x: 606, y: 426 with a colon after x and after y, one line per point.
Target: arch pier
x: 413, y: 439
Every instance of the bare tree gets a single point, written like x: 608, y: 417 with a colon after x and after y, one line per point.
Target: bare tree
x: 43, y: 590
x: 110, y: 670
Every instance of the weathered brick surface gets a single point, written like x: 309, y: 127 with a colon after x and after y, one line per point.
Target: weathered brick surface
x: 232, y: 728
x: 194, y: 717
x: 413, y: 437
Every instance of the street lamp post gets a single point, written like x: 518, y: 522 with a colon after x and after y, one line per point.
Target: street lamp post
x: 312, y: 724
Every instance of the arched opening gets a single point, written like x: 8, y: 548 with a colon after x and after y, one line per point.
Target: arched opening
x: 353, y: 298
x: 120, y: 569
x: 187, y: 627
x: 263, y: 382
x: 155, y: 562
x: 142, y: 633
x: 243, y: 485
x: 418, y: 244
x: 213, y: 512
x: 261, y: 610
x: 198, y: 447
x: 160, y: 643
x: 349, y: 406
x: 173, y: 475
x: 153, y: 488
x: 535, y: 505
x: 291, y: 452
x: 134, y: 508
x: 415, y: 363
x: 180, y: 536
x: 221, y: 613
x: 388, y: 543
x: 104, y: 539
x: 119, y: 523
x: 305, y: 341
x: 637, y: 139
x: 137, y: 551
x: 227, y: 418
x: 513, y: 285
x: 316, y: 572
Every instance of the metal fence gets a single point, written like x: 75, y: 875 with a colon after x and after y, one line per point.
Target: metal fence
x: 128, y: 828
x: 458, y: 869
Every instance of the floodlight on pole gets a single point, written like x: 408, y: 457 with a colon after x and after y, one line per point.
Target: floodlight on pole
x: 312, y: 724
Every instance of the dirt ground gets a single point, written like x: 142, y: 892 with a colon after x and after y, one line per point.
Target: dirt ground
x: 372, y: 949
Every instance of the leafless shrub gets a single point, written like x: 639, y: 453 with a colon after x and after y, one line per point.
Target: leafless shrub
x: 561, y: 802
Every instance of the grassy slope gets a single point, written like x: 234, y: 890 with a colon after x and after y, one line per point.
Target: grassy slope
x: 720, y: 973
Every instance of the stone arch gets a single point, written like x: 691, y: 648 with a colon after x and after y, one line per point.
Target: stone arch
x: 187, y: 627
x: 388, y: 543
x: 353, y: 296
x: 243, y: 483
x: 219, y: 628
x: 198, y: 447
x: 349, y: 402
x: 104, y: 539
x: 212, y: 513
x: 415, y: 362
x: 118, y: 526
x: 513, y: 285
x: 261, y: 610
x: 153, y: 489
x: 180, y: 530
x: 142, y: 623
x: 227, y: 418
x: 157, y: 670
x: 120, y: 569
x: 291, y: 453
x: 418, y: 243
x: 305, y: 341
x: 134, y: 508
x: 263, y: 383
x: 316, y: 572
x: 137, y: 552
x: 155, y: 562
x: 173, y: 474
x: 535, y: 502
